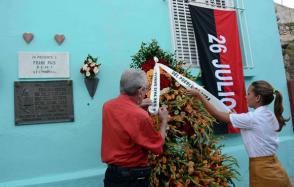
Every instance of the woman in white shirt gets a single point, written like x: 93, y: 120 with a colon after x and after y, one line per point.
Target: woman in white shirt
x: 259, y: 130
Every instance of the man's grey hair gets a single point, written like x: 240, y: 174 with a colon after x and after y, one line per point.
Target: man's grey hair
x: 131, y: 80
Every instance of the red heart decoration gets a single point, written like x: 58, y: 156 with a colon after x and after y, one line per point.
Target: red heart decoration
x: 59, y: 38
x: 28, y: 37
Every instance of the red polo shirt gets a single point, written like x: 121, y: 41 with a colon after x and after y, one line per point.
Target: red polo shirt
x: 127, y: 133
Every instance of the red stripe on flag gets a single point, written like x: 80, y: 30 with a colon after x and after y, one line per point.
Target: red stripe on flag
x: 231, y: 59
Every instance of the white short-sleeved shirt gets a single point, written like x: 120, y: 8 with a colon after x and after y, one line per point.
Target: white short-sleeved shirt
x: 258, y: 130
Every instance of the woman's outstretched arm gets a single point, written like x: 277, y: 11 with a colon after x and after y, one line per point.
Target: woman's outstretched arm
x: 220, y: 116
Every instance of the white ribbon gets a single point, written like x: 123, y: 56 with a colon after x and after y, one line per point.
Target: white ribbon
x: 185, y: 82
x: 155, y: 90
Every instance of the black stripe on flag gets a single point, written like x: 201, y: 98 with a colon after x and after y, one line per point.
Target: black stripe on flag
x: 204, y: 23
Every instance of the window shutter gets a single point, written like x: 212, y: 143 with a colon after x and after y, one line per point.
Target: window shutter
x: 183, y: 32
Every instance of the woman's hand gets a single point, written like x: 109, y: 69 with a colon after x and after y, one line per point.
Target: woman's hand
x: 221, y: 116
x: 193, y: 92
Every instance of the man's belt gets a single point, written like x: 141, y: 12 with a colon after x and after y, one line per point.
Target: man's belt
x: 134, y: 172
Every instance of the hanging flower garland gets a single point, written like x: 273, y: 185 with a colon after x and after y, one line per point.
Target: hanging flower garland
x: 191, y: 154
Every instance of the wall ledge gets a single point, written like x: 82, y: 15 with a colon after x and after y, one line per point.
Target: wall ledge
x: 59, y: 180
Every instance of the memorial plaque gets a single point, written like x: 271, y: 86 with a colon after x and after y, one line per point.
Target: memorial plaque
x: 43, y: 65
x: 43, y: 102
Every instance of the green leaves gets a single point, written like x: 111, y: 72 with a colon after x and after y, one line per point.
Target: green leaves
x: 150, y: 50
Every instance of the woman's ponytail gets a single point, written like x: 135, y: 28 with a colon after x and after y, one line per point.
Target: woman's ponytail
x: 279, y: 109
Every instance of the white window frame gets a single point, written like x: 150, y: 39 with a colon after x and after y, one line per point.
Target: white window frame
x: 183, y: 37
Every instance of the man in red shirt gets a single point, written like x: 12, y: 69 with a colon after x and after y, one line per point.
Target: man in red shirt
x: 128, y: 134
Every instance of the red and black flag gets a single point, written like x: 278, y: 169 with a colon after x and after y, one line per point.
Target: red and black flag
x: 220, y: 58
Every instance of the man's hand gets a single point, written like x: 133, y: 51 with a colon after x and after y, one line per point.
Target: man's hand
x: 163, y: 114
x: 146, y: 102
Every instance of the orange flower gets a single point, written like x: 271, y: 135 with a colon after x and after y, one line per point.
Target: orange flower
x: 189, y: 109
x: 169, y: 97
x: 149, y: 76
x: 177, y: 118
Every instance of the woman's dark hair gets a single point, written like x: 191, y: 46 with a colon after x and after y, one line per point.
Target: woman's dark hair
x: 267, y: 94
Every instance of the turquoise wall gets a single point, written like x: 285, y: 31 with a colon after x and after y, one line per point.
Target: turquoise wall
x: 68, y: 154
x: 113, y: 31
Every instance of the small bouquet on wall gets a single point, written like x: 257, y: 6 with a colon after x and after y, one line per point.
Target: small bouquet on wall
x: 90, y: 70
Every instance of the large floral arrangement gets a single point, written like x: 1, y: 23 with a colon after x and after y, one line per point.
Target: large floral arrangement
x: 90, y: 68
x: 192, y: 156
